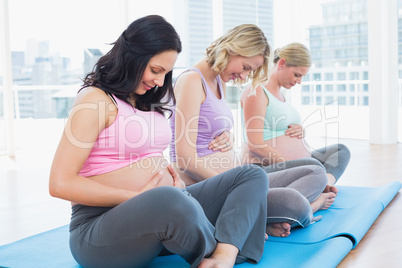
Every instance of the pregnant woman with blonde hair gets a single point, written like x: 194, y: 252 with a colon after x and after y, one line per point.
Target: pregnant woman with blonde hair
x: 202, y: 146
x: 272, y: 126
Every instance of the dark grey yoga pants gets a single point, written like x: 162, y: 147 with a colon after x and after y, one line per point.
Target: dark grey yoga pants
x: 229, y: 208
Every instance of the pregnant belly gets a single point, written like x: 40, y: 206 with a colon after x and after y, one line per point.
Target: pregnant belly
x: 219, y: 161
x: 290, y: 148
x: 135, y: 176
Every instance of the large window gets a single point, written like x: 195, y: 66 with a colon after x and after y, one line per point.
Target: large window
x: 52, y: 43
x: 55, y: 43
x: 337, y: 36
x: 60, y: 41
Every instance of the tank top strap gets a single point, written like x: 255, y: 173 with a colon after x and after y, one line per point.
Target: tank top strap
x: 113, y: 98
x: 271, y: 97
x: 204, y: 83
x: 110, y: 95
x: 220, y: 86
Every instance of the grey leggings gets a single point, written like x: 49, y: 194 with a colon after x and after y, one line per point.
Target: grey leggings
x: 188, y: 222
x: 291, y: 191
x: 333, y: 158
x: 294, y: 184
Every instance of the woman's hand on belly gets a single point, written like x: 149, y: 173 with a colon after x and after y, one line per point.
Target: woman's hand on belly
x: 163, y: 179
x: 295, y: 131
x: 168, y: 176
x: 223, y: 142
x: 145, y: 174
x: 177, y: 181
x: 155, y: 180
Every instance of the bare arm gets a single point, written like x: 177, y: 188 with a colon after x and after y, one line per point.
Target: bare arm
x: 89, y: 116
x: 189, y: 97
x: 254, y: 109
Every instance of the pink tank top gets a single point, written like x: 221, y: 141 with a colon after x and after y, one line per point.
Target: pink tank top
x: 133, y: 136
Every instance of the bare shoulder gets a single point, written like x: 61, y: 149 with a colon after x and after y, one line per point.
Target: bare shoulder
x: 190, y: 75
x: 249, y: 92
x: 92, y: 103
x: 254, y: 97
x: 93, y: 95
x: 245, y: 92
x: 189, y: 83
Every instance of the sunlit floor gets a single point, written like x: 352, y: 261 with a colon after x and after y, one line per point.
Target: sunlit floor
x: 26, y: 207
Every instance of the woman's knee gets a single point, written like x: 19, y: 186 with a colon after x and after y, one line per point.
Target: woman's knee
x: 289, y: 204
x: 318, y: 176
x: 338, y: 162
x: 176, y: 203
x: 253, y: 173
x: 300, y: 210
x: 296, y: 203
x: 344, y: 151
x: 312, y: 162
x: 309, y: 161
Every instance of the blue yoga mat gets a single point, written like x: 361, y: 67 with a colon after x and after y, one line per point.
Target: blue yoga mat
x: 50, y: 249
x: 277, y: 254
x: 354, y: 211
x: 341, y: 229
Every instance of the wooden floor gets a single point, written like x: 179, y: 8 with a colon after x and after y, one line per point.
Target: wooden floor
x: 27, y: 209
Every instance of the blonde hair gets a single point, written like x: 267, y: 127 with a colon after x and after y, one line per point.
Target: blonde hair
x: 295, y: 54
x: 246, y: 40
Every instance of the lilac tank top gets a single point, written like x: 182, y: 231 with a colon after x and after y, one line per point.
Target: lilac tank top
x: 215, y: 118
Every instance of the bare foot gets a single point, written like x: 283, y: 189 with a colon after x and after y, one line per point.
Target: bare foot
x: 280, y: 229
x: 224, y: 256
x: 330, y: 188
x: 214, y: 263
x: 324, y: 201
